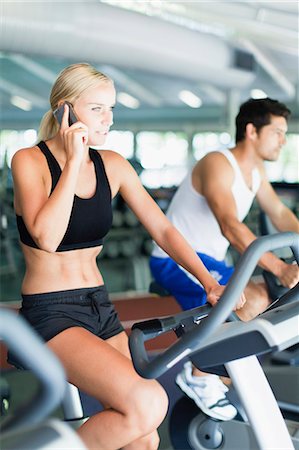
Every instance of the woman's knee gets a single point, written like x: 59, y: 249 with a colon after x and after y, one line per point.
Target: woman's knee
x: 151, y: 441
x: 148, y: 407
x: 160, y: 401
x: 154, y: 440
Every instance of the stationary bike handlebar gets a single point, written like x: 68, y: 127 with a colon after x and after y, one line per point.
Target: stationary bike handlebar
x: 193, y: 340
x: 32, y: 352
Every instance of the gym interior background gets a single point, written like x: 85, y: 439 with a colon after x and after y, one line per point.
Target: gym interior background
x: 181, y: 70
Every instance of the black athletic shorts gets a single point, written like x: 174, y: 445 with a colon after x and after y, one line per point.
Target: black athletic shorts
x: 53, y: 312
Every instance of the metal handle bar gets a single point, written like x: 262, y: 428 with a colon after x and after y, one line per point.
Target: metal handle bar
x: 32, y: 352
x: 193, y: 339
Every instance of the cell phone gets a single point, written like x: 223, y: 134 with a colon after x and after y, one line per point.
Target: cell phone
x: 58, y: 113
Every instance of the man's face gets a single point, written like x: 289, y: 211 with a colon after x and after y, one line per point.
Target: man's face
x: 271, y: 138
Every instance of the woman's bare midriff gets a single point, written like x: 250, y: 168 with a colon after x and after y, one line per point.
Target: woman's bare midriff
x: 48, y: 272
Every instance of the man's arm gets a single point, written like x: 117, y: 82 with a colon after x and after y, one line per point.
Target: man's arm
x: 216, y: 182
x: 280, y: 215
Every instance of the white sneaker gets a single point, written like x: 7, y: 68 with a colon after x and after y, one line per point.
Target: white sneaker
x: 208, y: 392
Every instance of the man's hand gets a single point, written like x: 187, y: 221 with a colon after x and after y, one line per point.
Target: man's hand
x: 288, y: 274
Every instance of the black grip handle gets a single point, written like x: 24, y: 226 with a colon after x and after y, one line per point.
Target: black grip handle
x: 275, y: 289
x: 154, y: 327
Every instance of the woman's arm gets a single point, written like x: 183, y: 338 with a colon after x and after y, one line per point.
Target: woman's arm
x: 161, y: 229
x: 47, y: 218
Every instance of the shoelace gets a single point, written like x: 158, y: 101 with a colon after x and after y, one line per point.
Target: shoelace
x: 208, y: 388
x: 210, y: 381
x: 220, y: 404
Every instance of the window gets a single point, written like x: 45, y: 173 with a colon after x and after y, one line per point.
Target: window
x: 287, y: 166
x: 204, y: 143
x: 121, y: 142
x: 163, y: 156
x: 13, y: 140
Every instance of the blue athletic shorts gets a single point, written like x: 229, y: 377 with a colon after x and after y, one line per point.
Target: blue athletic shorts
x: 182, y: 285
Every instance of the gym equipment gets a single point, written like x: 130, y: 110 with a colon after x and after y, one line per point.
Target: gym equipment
x: 211, y: 342
x: 8, y: 235
x: 291, y: 355
x: 287, y: 398
x: 4, y: 396
x: 27, y: 428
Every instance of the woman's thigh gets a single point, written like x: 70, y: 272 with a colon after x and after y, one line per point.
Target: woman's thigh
x: 101, y: 368
x: 121, y: 343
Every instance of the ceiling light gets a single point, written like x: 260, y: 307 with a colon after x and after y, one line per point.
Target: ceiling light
x: 173, y: 12
x: 21, y: 103
x: 190, y: 99
x: 128, y: 100
x: 258, y: 93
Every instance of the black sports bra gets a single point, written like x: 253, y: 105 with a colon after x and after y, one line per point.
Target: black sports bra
x: 90, y: 219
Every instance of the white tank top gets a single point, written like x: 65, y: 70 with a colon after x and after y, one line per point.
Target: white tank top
x: 191, y: 215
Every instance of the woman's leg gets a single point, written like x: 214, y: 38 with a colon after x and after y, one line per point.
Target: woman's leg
x: 151, y: 441
x: 99, y: 368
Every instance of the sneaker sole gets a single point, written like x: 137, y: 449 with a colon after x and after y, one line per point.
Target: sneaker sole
x: 190, y: 393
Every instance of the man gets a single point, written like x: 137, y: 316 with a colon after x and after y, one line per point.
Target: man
x: 208, y: 209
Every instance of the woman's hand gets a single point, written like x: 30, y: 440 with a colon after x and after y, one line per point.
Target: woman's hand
x: 215, y: 293
x: 75, y: 137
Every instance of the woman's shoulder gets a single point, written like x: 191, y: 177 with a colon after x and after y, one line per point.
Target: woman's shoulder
x: 112, y: 157
x: 27, y: 152
x: 109, y: 154
x: 118, y: 169
x: 31, y: 155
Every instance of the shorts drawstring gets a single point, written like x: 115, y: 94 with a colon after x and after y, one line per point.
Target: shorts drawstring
x: 93, y: 302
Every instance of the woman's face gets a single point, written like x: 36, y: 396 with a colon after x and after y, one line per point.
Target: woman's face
x: 94, y: 109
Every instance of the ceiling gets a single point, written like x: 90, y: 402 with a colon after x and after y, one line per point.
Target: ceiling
x: 219, y: 50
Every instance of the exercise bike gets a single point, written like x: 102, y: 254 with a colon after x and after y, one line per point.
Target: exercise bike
x: 209, y: 342
x: 29, y: 427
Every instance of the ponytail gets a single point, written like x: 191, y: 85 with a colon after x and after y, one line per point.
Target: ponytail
x: 48, y: 126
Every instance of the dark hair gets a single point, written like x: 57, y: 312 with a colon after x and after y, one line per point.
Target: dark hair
x: 258, y: 112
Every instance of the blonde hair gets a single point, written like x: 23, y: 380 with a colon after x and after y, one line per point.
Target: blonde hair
x: 70, y: 84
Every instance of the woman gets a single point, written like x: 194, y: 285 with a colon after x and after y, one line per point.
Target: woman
x: 63, y: 193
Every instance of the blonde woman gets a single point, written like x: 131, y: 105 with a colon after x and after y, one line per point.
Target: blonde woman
x: 63, y: 193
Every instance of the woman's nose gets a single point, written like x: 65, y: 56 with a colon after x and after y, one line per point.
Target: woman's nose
x: 107, y: 118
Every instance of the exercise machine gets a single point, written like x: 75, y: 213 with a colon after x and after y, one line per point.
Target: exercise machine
x: 29, y: 427
x: 209, y: 340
